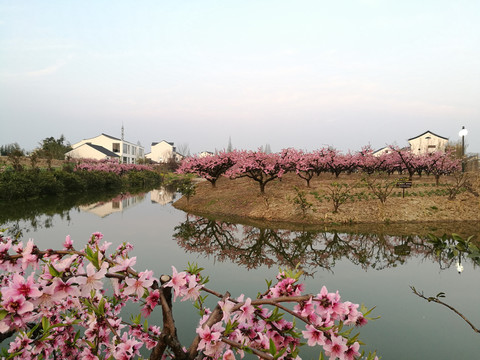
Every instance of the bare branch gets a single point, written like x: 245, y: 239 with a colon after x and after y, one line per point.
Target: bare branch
x: 438, y: 301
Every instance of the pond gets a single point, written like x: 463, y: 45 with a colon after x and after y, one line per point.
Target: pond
x: 375, y: 267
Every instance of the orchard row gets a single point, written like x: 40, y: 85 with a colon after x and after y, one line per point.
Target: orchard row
x: 264, y: 168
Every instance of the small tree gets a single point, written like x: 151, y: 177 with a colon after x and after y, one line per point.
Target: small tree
x: 15, y: 157
x: 34, y: 160
x: 183, y: 149
x: 460, y: 182
x: 301, y: 201
x: 338, y: 194
x: 187, y: 188
x: 381, y: 185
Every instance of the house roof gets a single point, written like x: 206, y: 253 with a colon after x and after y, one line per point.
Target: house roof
x: 376, y: 151
x: 111, y: 137
x: 427, y: 132
x: 102, y: 150
x: 108, y: 136
x: 168, y: 142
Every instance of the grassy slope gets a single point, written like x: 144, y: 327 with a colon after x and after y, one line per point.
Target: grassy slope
x: 241, y: 198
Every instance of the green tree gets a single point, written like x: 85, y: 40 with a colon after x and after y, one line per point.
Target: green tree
x: 8, y: 149
x: 52, y: 148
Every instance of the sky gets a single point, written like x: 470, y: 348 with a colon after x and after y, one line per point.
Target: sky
x: 302, y: 74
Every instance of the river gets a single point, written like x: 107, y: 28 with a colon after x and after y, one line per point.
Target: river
x: 375, y: 269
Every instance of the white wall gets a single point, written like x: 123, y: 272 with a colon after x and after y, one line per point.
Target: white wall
x: 161, y: 152
x: 427, y: 143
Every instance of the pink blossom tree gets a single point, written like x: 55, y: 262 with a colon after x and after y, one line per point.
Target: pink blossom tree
x: 257, y: 166
x: 56, y: 304
x: 210, y: 168
x: 369, y: 163
x: 336, y: 162
x: 441, y: 163
x: 302, y: 163
x: 404, y: 159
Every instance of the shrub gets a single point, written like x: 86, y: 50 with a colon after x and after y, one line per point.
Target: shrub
x: 47, y: 184
x: 301, y: 201
x: 72, y: 182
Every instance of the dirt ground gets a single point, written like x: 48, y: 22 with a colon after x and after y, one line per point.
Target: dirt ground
x: 25, y: 161
x: 241, y: 198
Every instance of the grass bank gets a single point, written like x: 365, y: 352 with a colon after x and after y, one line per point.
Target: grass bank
x: 423, y: 203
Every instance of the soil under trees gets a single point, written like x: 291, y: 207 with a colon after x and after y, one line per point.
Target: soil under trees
x: 424, y: 202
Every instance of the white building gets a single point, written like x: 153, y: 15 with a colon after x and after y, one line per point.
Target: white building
x: 128, y: 152
x: 427, y: 142
x: 163, y: 151
x: 90, y: 151
x: 205, y: 154
x: 384, y: 150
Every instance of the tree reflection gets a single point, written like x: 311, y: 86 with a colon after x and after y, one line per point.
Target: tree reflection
x: 252, y: 247
x: 21, y: 217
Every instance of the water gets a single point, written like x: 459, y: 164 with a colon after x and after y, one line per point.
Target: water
x: 375, y: 270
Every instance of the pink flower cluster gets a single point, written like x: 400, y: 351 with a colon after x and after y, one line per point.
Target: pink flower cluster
x: 208, y: 167
x: 59, y: 305
x: 64, y: 294
x: 264, y: 168
x: 109, y: 165
x: 259, y: 328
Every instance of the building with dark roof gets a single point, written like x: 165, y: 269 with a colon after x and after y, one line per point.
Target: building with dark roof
x: 427, y: 142
x: 105, y: 146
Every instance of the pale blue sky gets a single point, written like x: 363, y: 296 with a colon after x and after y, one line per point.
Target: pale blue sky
x: 301, y: 74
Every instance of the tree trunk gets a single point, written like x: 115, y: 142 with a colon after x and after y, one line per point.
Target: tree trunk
x: 262, y: 187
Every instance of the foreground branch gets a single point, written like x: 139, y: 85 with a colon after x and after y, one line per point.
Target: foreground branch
x: 438, y: 301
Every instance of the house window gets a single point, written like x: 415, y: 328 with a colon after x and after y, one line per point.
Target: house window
x: 116, y: 147
x: 125, y: 148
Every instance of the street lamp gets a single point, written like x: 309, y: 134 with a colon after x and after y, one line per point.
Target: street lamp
x: 463, y: 133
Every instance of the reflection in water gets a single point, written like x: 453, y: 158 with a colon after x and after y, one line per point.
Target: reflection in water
x: 426, y: 331
x: 163, y: 196
x: 253, y: 247
x: 22, y: 217
x: 117, y: 204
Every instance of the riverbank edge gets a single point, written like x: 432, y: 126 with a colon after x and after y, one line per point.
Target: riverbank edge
x: 239, y: 201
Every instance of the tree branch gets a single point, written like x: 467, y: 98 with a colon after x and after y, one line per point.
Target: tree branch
x: 438, y: 301
x: 237, y: 345
x: 215, y: 317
